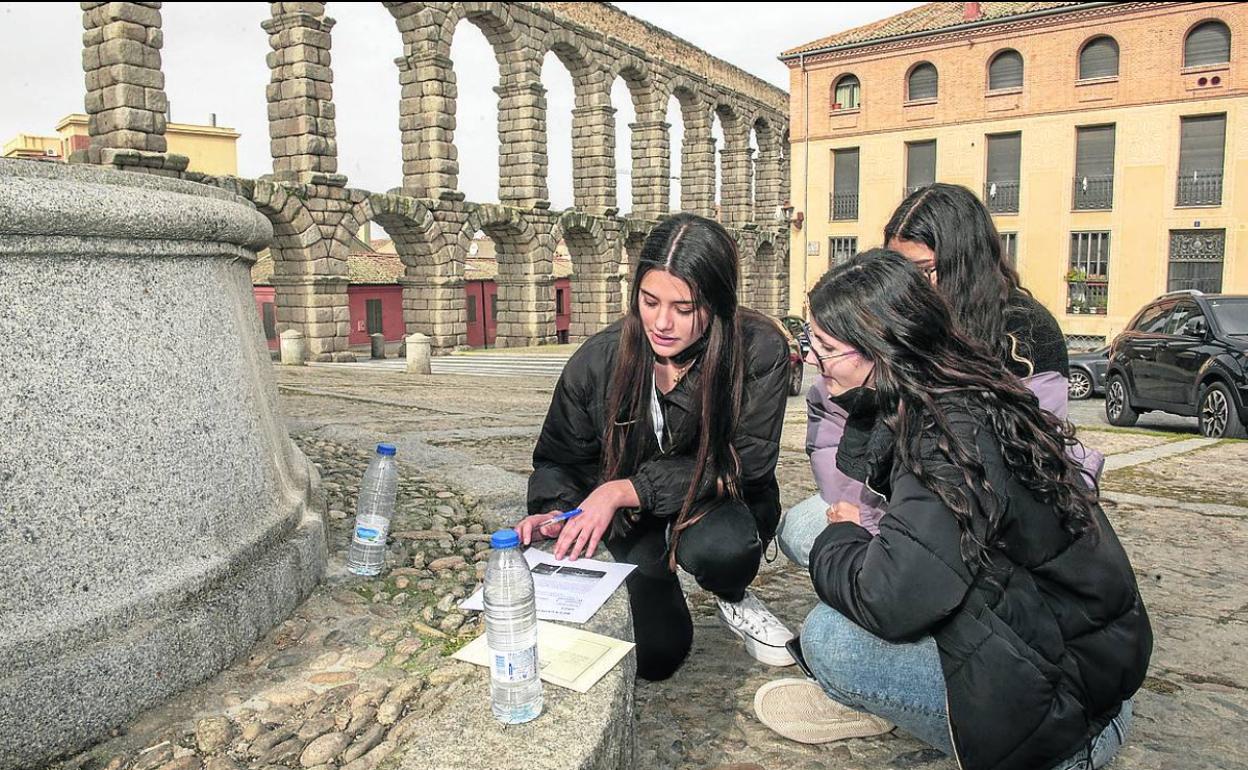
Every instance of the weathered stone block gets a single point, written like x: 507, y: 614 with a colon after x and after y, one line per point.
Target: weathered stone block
x: 124, y: 95
x: 123, y: 51
x: 138, y: 75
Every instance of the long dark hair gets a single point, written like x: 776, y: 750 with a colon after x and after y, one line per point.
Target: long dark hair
x: 881, y: 305
x: 702, y: 254
x: 971, y: 274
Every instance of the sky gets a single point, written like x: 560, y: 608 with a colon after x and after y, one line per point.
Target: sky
x: 213, y: 59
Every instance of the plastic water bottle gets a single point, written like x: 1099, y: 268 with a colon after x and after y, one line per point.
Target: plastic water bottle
x: 511, y: 632
x: 373, y: 512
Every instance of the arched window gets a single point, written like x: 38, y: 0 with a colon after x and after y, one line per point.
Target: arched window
x: 1208, y: 43
x: 1099, y: 58
x: 1005, y: 70
x: 846, y: 94
x: 922, y: 83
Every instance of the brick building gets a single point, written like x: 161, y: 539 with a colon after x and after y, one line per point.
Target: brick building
x: 1108, y: 140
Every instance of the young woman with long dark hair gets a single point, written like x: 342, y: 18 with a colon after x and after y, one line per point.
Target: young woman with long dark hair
x: 995, y: 615
x: 664, y: 430
x: 949, y: 235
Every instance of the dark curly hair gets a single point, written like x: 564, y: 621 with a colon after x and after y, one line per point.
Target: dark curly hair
x: 881, y: 304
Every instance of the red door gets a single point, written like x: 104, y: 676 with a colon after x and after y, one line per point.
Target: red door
x: 481, y: 298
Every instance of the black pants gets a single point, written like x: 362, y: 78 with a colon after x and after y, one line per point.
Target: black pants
x: 722, y: 551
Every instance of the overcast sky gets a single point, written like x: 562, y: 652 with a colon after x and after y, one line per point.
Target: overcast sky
x: 213, y: 61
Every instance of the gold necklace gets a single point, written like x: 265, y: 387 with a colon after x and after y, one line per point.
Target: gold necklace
x: 680, y: 373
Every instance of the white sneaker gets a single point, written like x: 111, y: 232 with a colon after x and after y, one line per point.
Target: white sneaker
x: 763, y: 633
x: 801, y: 711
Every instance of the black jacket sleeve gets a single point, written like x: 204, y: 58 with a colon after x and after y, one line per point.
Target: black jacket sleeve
x: 663, y: 481
x: 568, y: 452
x: 907, y: 579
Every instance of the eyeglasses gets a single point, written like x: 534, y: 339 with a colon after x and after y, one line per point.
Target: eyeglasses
x: 805, y: 339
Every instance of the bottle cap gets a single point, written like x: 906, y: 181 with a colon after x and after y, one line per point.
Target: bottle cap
x: 387, y: 450
x: 505, y: 538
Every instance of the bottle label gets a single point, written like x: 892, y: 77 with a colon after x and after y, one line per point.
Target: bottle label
x: 518, y: 666
x: 371, y: 530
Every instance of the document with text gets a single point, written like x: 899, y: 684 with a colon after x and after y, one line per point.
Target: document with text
x: 571, y: 591
x: 568, y: 657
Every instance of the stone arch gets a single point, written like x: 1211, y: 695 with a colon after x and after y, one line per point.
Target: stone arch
x: 767, y: 189
x: 294, y: 229
x: 697, y: 152
x: 495, y: 22
x: 649, y: 146
x: 309, y: 280
x: 428, y: 109
x: 595, y: 275
x: 433, y: 282
x: 593, y: 143
x: 525, y: 279
x: 769, y: 271
x: 735, y: 197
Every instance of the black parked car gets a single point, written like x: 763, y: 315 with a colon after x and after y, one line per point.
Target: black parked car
x: 1087, y: 373
x: 1184, y: 353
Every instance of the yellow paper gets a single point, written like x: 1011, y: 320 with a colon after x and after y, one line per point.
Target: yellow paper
x: 568, y: 657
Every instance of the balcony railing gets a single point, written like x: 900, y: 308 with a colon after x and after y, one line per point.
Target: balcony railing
x: 1093, y: 192
x: 1200, y: 188
x: 844, y: 206
x: 1001, y: 197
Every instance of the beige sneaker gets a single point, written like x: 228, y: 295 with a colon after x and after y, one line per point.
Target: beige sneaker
x: 801, y: 711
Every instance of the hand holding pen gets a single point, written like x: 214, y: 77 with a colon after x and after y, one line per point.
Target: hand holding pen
x: 544, y: 525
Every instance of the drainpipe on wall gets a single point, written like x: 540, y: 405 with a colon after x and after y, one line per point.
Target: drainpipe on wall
x: 805, y: 178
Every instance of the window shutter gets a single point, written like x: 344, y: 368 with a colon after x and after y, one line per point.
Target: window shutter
x: 923, y: 82
x: 1209, y: 43
x: 1099, y: 59
x: 1201, y: 144
x: 1094, y: 151
x: 1004, y: 151
x: 1006, y: 71
x: 920, y: 163
x: 845, y: 172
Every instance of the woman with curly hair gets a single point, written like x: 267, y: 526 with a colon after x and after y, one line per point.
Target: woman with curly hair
x: 995, y: 615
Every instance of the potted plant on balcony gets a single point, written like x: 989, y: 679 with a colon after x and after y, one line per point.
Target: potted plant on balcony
x: 1098, y: 305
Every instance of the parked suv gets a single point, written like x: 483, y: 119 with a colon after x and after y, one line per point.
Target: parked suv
x: 1184, y: 353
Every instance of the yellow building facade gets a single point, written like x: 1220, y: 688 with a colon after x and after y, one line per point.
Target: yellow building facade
x: 1103, y: 120
x: 212, y: 150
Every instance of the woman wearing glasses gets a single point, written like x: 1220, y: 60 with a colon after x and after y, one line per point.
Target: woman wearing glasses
x: 948, y: 234
x: 664, y: 430
x: 994, y: 615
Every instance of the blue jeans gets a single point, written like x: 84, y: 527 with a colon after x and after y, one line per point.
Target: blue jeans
x: 904, y: 684
x: 799, y: 527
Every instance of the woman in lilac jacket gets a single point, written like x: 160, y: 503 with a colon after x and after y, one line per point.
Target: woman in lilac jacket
x: 948, y: 233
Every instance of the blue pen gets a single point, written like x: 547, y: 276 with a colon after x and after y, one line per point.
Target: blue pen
x: 562, y: 517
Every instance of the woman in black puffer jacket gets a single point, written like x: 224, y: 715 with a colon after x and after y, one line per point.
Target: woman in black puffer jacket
x: 995, y: 615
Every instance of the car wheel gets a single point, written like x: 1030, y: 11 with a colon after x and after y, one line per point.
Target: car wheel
x: 1218, y: 416
x: 1117, y: 406
x: 1080, y: 386
x: 795, y: 379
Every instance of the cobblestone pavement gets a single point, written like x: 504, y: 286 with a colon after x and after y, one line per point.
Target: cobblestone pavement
x: 337, y: 684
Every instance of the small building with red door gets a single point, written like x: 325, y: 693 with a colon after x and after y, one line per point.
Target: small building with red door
x: 375, y: 297
x: 481, y: 292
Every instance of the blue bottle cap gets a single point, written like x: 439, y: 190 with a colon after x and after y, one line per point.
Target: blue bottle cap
x: 505, y: 538
x: 386, y: 449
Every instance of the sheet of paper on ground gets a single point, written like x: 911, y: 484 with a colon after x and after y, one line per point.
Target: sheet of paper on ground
x: 568, y: 657
x: 571, y: 591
